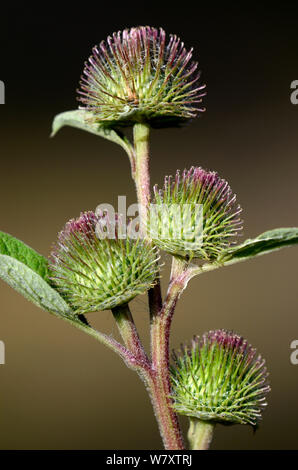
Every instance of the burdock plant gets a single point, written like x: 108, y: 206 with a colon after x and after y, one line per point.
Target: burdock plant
x: 219, y: 378
x: 141, y: 79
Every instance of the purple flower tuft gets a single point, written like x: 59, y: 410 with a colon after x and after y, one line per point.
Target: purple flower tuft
x: 220, y: 378
x: 139, y: 75
x: 95, y: 269
x: 209, y: 234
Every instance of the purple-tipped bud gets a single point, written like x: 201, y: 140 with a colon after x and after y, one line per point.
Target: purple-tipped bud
x: 95, y: 269
x: 195, y: 215
x: 220, y: 378
x: 138, y: 75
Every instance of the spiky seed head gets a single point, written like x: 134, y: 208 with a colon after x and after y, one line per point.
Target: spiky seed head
x: 220, y: 378
x: 195, y: 215
x: 96, y: 272
x: 138, y: 75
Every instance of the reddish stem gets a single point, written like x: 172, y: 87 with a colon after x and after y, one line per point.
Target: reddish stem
x: 157, y: 378
x: 130, y: 335
x: 160, y: 335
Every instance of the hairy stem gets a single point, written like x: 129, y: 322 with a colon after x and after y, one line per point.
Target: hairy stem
x: 162, y: 402
x: 141, y: 133
x: 157, y: 381
x: 142, y: 175
x: 160, y: 335
x: 167, y: 420
x: 108, y: 341
x: 128, y: 331
x: 200, y: 434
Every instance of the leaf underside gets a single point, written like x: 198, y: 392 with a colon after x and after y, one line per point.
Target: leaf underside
x: 85, y: 120
x: 26, y: 271
x: 32, y: 286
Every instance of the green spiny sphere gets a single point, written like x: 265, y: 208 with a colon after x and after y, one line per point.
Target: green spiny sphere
x: 99, y: 273
x: 139, y: 76
x: 220, y: 378
x: 195, y: 215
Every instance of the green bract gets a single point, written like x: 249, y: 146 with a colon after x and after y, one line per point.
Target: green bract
x: 94, y: 273
x: 195, y: 215
x: 138, y: 76
x: 220, y: 378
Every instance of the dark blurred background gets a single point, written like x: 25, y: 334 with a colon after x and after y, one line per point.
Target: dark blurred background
x: 60, y: 388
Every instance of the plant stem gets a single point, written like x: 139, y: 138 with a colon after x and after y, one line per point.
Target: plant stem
x: 160, y: 335
x: 167, y: 420
x: 159, y: 390
x: 200, y: 434
x: 142, y: 176
x: 158, y: 378
x: 129, y: 333
x: 161, y: 399
x: 157, y: 381
x: 108, y: 341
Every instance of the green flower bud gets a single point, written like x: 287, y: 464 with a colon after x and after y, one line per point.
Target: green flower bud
x: 220, y: 378
x: 195, y: 215
x: 137, y: 76
x: 95, y: 272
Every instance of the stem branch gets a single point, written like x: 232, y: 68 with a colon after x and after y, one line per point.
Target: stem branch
x: 108, y: 341
x: 160, y: 335
x: 129, y: 334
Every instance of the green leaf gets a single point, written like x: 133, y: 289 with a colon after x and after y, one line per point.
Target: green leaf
x: 32, y: 286
x: 15, y: 248
x: 27, y: 271
x: 265, y: 243
x: 85, y: 120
